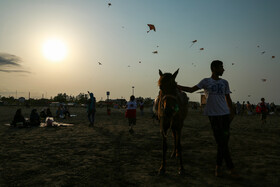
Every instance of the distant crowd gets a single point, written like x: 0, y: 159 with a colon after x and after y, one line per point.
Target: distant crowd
x: 35, y: 118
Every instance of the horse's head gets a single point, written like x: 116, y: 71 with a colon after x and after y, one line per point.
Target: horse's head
x: 167, y: 83
x: 168, y: 96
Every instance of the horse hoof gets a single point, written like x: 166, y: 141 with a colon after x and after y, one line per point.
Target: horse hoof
x: 161, y: 172
x: 181, y: 172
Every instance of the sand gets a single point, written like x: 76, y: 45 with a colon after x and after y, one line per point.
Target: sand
x: 108, y: 155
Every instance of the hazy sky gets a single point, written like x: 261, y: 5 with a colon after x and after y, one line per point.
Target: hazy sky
x: 234, y: 31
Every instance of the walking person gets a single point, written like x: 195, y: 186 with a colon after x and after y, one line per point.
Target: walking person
x: 91, y: 109
x: 220, y: 112
x: 130, y: 113
x: 142, y: 107
x: 264, y: 110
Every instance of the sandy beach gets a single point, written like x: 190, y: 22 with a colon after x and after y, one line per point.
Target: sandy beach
x: 108, y: 155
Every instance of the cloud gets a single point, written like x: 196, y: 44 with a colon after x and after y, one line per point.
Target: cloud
x: 11, y: 71
x: 9, y: 60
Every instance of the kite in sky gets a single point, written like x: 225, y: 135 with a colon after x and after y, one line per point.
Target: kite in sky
x: 155, y: 52
x: 258, y: 46
x: 201, y: 49
x: 193, y: 42
x: 99, y: 63
x: 264, y: 80
x: 139, y: 62
x: 109, y: 4
x: 263, y: 52
x: 273, y: 57
x: 232, y: 63
x: 151, y: 27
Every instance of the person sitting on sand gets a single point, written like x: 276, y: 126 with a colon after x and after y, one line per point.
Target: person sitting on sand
x: 49, y: 113
x: 130, y: 113
x: 34, y: 118
x: 43, y: 114
x: 18, y: 119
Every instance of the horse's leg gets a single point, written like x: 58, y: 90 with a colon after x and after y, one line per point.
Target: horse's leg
x: 179, y: 153
x: 175, y: 146
x: 164, y: 149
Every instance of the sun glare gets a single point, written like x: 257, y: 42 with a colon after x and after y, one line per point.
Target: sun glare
x: 54, y: 50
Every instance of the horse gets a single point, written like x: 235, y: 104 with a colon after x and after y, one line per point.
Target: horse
x: 172, y: 109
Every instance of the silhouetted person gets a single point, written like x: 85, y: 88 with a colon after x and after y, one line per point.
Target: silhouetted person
x: 91, y: 109
x: 18, y: 119
x: 264, y: 110
x: 220, y: 112
x: 49, y: 113
x: 60, y: 111
x: 66, y: 111
x: 43, y: 114
x: 34, y: 118
x: 142, y: 107
x: 130, y: 113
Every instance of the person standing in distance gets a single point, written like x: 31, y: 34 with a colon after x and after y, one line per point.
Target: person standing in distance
x: 91, y: 108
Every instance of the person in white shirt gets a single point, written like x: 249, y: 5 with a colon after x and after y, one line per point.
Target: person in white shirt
x: 130, y: 113
x: 220, y: 111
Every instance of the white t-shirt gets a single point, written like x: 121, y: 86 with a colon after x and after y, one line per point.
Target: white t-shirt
x: 131, y: 105
x: 215, y: 91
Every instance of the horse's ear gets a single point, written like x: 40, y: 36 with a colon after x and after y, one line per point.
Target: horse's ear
x: 175, y: 74
x: 160, y: 73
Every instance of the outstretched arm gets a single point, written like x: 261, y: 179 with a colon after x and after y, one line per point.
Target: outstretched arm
x: 188, y: 89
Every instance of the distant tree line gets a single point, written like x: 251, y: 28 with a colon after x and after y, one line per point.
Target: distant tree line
x: 60, y: 97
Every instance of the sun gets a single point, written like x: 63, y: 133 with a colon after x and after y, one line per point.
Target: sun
x: 54, y: 50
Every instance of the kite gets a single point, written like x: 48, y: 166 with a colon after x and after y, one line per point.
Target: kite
x: 264, y: 80
x: 139, y: 62
x: 273, y: 57
x: 193, y: 42
x: 151, y: 27
x: 201, y: 49
x: 232, y: 63
x: 258, y: 46
x: 109, y: 4
x: 263, y: 52
x: 99, y: 63
x: 128, y: 66
x: 155, y: 52
x: 249, y: 95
